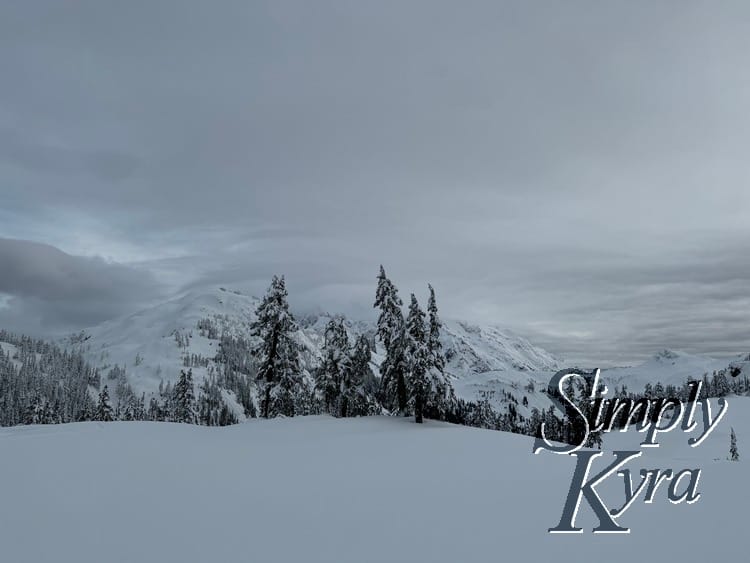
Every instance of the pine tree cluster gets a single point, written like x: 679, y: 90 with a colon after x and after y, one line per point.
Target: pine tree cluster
x: 412, y: 375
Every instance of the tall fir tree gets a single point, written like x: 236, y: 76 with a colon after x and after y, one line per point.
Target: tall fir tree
x: 433, y: 338
x: 390, y: 319
x: 330, y: 376
x: 442, y: 402
x: 391, y: 330
x: 355, y: 398
x: 104, y: 412
x: 184, y: 398
x: 419, y: 360
x: 279, y: 373
x: 734, y: 454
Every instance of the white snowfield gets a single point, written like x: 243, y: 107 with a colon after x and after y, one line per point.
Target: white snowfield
x: 319, y: 489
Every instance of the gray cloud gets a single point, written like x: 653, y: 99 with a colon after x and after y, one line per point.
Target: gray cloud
x: 576, y: 171
x: 51, y: 291
x: 101, y: 165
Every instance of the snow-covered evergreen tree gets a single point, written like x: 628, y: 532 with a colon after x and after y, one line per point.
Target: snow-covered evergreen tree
x: 391, y: 330
x: 330, y: 375
x: 734, y: 455
x: 104, y: 411
x: 391, y: 317
x: 184, y: 398
x: 433, y: 337
x: 355, y: 398
x: 279, y: 373
x: 212, y: 410
x: 442, y: 398
x: 419, y: 360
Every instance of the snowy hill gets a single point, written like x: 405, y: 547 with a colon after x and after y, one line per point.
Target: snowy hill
x: 667, y: 367
x: 151, y: 345
x: 318, y: 489
x: 479, y: 349
x: 484, y: 361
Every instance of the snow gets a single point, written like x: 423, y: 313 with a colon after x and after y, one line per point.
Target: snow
x: 318, y: 489
x: 667, y: 367
x: 150, y: 336
x: 491, y: 384
x: 478, y: 349
x: 481, y: 360
x: 11, y: 350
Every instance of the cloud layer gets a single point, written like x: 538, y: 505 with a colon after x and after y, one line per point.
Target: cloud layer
x: 577, y: 172
x: 48, y: 290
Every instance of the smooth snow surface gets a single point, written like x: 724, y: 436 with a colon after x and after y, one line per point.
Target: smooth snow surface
x: 319, y: 489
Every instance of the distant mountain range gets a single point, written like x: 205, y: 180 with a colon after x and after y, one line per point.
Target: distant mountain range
x: 484, y: 361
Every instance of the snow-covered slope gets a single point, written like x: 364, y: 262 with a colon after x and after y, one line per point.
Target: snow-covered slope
x: 10, y: 350
x: 152, y: 343
x: 667, y: 367
x: 478, y: 349
x: 317, y: 489
x: 484, y: 361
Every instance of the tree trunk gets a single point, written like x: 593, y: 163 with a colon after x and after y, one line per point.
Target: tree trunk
x: 401, y: 392
x: 344, y: 406
x: 418, y: 409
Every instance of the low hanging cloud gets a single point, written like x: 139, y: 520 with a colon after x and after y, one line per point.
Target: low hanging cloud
x: 48, y: 291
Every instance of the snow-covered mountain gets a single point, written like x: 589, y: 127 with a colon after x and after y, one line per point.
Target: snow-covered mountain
x: 484, y: 361
x: 668, y: 367
x: 151, y: 345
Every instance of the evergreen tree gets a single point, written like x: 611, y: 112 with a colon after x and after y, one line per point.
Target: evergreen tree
x: 279, y: 373
x: 212, y: 410
x: 184, y: 398
x: 358, y: 378
x: 104, y: 411
x: 734, y: 455
x: 720, y: 385
x: 441, y: 396
x: 433, y: 338
x: 330, y: 375
x: 419, y: 360
x: 391, y: 318
x: 392, y: 333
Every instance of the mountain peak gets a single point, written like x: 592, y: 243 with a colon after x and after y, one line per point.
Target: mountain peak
x: 152, y: 345
x: 666, y: 355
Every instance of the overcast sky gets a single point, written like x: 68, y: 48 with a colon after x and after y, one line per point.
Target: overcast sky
x: 576, y: 171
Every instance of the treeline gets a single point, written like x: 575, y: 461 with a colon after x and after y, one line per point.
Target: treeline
x: 41, y: 383
x: 635, y: 408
